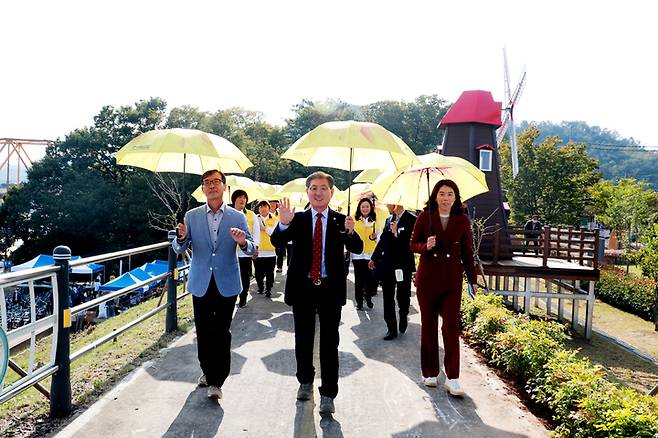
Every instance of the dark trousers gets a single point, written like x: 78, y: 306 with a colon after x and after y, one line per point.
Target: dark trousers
x: 365, y: 284
x: 212, y: 316
x: 281, y: 254
x: 391, y: 290
x: 531, y: 241
x: 448, y: 306
x: 245, y: 276
x: 264, y: 267
x: 304, y: 317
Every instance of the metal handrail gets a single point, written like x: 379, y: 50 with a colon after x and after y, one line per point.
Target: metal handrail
x: 57, y: 366
x: 118, y: 254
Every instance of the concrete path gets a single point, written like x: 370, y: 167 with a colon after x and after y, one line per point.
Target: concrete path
x: 380, y: 389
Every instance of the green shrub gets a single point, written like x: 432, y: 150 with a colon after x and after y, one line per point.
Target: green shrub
x: 565, y: 382
x: 626, y: 292
x: 581, y: 400
x: 527, y: 345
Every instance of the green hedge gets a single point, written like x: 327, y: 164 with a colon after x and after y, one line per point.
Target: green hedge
x: 582, y: 402
x: 636, y: 295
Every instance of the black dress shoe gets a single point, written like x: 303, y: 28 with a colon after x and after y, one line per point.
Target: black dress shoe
x: 359, y: 307
x: 390, y: 336
x: 369, y: 303
x: 403, y: 325
x: 241, y: 304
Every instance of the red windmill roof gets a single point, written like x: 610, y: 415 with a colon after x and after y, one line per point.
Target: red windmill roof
x: 475, y: 106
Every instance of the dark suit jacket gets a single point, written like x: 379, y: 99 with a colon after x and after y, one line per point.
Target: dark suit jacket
x: 300, y: 232
x: 442, y: 269
x: 393, y: 252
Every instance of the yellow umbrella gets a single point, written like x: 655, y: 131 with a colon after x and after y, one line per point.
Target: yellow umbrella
x: 370, y: 175
x: 182, y: 150
x: 351, y: 145
x: 411, y: 187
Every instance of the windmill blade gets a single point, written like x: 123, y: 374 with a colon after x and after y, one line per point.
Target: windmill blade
x: 518, y: 90
x: 508, y: 95
x: 513, y: 150
x: 500, y: 134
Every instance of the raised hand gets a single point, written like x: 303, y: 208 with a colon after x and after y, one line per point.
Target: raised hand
x: 285, y: 212
x: 181, y: 231
x: 239, y: 236
x: 394, y: 227
x: 349, y: 224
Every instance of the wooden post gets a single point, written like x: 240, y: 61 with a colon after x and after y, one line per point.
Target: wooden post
x: 581, y: 252
x: 549, y: 301
x: 575, y: 307
x: 528, y: 295
x: 547, y: 245
x: 589, y: 316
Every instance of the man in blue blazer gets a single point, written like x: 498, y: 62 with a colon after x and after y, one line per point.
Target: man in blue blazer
x: 214, y: 230
x: 316, y: 282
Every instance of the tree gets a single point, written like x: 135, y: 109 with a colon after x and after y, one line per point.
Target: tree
x: 552, y: 180
x: 628, y: 206
x: 414, y: 122
x: 618, y: 157
x: 77, y: 195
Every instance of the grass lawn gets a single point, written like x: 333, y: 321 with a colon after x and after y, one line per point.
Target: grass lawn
x: 96, y: 372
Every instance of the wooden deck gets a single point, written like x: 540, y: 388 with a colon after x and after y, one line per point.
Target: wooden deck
x: 533, y: 267
x: 554, y: 265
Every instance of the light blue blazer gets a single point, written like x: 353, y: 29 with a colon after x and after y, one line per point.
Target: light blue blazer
x: 221, y: 260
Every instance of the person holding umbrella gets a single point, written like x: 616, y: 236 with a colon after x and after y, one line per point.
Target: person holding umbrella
x: 316, y: 282
x: 442, y: 236
x: 365, y: 283
x: 215, y: 231
x: 395, y: 263
x: 265, y: 260
x: 239, y: 199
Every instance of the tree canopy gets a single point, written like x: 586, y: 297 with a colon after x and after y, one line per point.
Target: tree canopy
x: 552, y: 180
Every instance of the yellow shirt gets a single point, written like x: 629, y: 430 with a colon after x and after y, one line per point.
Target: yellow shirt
x: 365, y: 231
x: 265, y: 231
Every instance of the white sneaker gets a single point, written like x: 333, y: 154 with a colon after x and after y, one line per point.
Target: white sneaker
x: 453, y: 387
x: 430, y: 381
x: 214, y: 392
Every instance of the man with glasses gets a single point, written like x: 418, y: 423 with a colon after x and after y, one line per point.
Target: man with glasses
x: 214, y: 230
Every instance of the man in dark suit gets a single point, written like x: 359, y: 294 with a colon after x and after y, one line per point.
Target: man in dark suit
x: 395, y: 263
x: 532, y: 238
x: 316, y: 282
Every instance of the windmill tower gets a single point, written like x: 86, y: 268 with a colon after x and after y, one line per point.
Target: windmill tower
x: 470, y: 133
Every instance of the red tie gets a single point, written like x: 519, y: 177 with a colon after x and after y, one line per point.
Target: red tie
x: 316, y: 260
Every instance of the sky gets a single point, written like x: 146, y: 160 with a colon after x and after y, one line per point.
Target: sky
x: 63, y: 61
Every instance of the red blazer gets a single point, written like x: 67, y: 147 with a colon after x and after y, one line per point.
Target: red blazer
x: 442, y: 269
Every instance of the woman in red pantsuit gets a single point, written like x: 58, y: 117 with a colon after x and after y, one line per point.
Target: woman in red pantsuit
x: 443, y: 238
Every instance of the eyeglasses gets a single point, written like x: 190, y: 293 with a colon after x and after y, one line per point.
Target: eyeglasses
x: 212, y: 182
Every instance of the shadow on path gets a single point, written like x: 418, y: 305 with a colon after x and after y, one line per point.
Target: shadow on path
x: 196, y: 406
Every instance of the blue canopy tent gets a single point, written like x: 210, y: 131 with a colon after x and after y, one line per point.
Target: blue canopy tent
x: 37, y: 262
x: 47, y: 260
x: 122, y: 281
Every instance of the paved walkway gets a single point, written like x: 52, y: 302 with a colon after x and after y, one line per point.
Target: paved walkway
x: 380, y: 393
